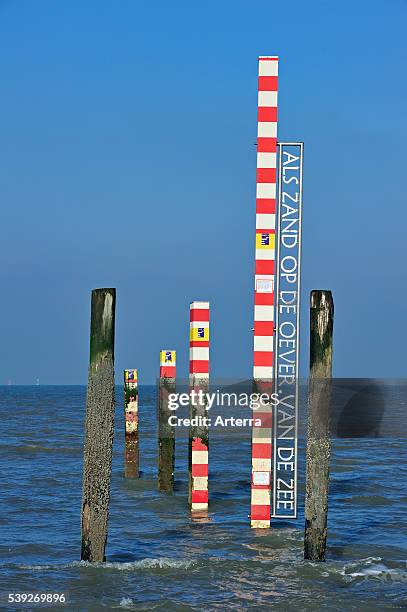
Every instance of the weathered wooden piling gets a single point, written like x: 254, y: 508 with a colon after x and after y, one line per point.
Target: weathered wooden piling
x: 199, y: 386
x: 99, y: 427
x: 318, y: 434
x: 131, y: 452
x: 166, y: 437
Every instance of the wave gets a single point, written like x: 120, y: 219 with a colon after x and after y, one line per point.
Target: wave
x: 126, y: 566
x: 369, y: 568
x: 40, y: 448
x: 373, y: 568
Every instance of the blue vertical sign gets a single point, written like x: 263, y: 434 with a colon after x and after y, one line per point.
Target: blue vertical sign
x: 287, y: 318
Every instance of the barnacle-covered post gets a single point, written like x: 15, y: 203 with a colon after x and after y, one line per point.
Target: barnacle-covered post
x: 99, y: 427
x: 318, y: 434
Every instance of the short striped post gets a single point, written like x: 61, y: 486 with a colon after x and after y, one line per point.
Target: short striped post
x: 131, y: 457
x: 199, y: 385
x: 166, y: 437
x: 264, y: 287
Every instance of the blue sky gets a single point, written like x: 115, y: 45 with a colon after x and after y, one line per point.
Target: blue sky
x: 127, y: 159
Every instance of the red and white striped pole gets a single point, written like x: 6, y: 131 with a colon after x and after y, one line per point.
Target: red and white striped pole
x: 263, y: 361
x: 199, y: 385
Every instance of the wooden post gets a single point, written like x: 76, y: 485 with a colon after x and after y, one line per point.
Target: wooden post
x: 199, y: 386
x: 131, y: 453
x: 318, y: 435
x: 166, y: 437
x: 99, y: 426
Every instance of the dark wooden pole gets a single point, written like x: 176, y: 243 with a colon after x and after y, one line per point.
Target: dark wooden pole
x: 166, y: 434
x: 99, y: 426
x: 166, y: 437
x: 318, y: 435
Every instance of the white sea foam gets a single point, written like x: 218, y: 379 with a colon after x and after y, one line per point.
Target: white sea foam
x: 126, y: 566
x: 373, y: 568
x: 126, y: 602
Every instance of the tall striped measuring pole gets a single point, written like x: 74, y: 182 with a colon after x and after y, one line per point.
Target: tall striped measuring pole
x: 263, y: 350
x: 131, y: 458
x: 199, y: 385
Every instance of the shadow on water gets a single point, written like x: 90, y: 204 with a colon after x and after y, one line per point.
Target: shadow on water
x: 362, y: 415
